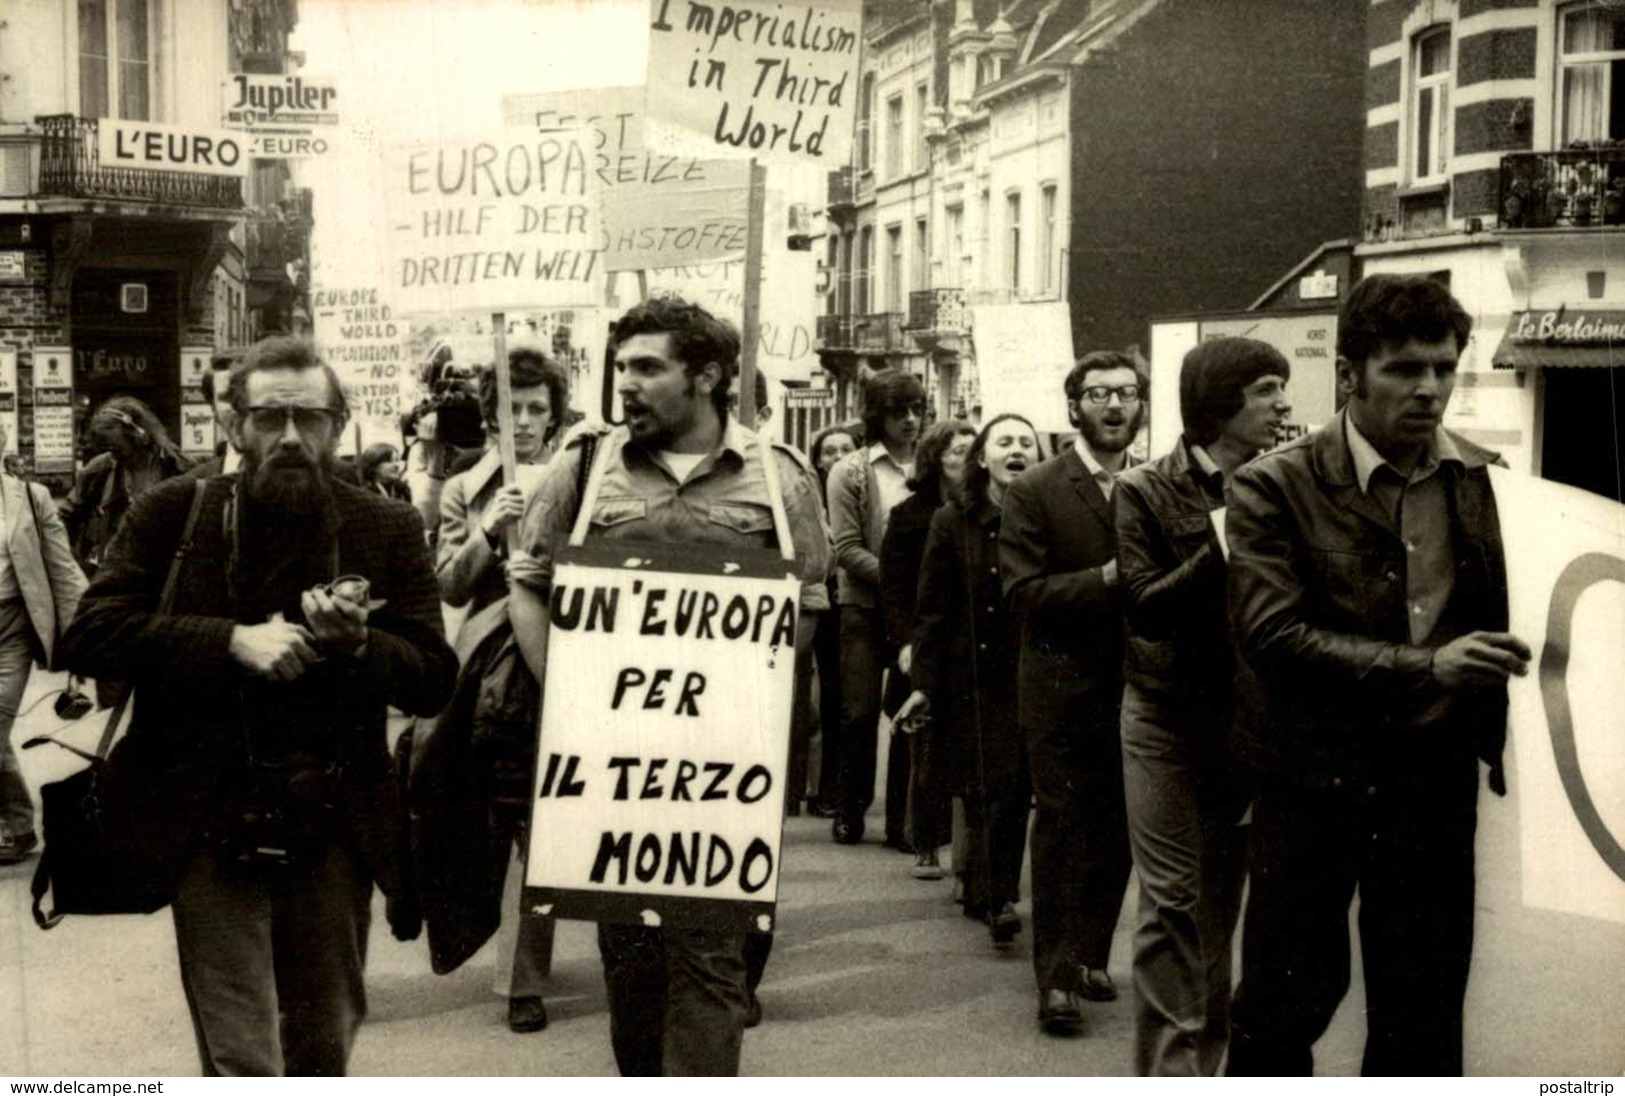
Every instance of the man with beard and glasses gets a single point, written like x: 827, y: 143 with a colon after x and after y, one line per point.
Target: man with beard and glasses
x: 303, y: 609
x: 681, y: 471
x: 1058, y: 558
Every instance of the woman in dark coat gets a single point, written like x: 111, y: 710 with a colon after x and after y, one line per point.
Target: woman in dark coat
x: 939, y: 464
x: 965, y: 649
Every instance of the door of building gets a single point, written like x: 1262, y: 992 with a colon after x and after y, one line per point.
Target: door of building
x: 1584, y: 429
x: 126, y: 339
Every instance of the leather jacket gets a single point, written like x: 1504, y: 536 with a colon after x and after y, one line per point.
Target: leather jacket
x: 1328, y: 681
x: 1173, y: 576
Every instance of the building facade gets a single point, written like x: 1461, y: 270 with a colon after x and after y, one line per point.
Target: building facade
x: 1495, y: 158
x: 116, y: 279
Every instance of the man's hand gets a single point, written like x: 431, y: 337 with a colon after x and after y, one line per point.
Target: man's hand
x: 907, y: 718
x: 905, y: 658
x: 337, y: 623
x: 1480, y: 658
x: 276, y: 649
x: 506, y: 507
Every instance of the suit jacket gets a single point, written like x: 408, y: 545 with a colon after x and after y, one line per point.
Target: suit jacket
x: 42, y: 560
x: 1055, y: 540
x: 189, y: 703
x: 1328, y: 678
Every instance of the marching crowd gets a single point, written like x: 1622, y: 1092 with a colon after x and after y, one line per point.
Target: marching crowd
x: 1235, y: 661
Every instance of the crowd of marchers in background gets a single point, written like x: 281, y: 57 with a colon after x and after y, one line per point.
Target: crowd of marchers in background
x: 1235, y: 661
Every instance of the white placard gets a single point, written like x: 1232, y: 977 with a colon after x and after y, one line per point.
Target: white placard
x: 1023, y: 354
x: 664, y: 736
x: 505, y: 222
x: 755, y: 78
x: 365, y: 342
x: 149, y: 146
x: 1565, y: 561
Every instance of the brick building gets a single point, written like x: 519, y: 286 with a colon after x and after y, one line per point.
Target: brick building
x: 1494, y: 159
x: 116, y: 279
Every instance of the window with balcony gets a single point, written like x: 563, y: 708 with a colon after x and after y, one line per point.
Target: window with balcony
x: 956, y: 244
x: 1048, y: 230
x: 922, y: 106
x: 1591, y: 73
x: 922, y: 253
x: 1430, y: 107
x: 894, y: 268
x: 866, y: 266
x: 115, y: 59
x: 1012, y: 254
x: 894, y: 136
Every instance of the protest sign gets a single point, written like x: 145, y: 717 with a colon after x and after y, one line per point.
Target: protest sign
x: 362, y: 339
x: 665, y: 730
x: 755, y: 78
x: 500, y: 223
x: 1565, y: 558
x: 1023, y: 354
x: 53, y: 409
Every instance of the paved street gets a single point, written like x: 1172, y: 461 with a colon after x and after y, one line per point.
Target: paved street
x: 874, y: 973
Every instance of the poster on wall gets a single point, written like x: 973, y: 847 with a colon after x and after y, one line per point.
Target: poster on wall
x: 198, y: 434
x: 53, y: 409
x: 8, y: 398
x: 654, y: 803
x: 1023, y: 354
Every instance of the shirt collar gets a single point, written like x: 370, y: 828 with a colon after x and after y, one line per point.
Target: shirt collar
x: 1367, y: 460
x: 1206, y: 467
x: 1088, y: 457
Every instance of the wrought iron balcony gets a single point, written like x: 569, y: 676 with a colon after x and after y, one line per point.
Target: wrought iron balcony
x: 1574, y: 188
x: 70, y: 166
x: 866, y: 333
x: 937, y: 310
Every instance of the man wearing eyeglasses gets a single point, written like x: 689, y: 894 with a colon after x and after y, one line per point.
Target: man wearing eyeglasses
x: 1058, y: 557
x: 303, y: 609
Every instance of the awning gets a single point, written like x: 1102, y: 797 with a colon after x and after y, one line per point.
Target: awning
x: 1562, y: 337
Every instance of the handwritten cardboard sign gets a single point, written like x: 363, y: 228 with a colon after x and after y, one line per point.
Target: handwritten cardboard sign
x: 756, y: 78
x: 1023, y: 354
x: 363, y: 340
x: 504, y: 222
x: 665, y: 735
x: 1565, y: 561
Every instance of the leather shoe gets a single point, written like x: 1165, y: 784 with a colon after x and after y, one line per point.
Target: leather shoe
x: 1058, y: 1012
x: 1005, y: 925
x: 1095, y: 985
x: 846, y: 833
x: 526, y: 1014
x: 753, y: 1014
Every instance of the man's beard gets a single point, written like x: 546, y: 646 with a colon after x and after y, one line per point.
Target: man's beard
x: 659, y: 434
x: 288, y: 483
x: 1096, y: 433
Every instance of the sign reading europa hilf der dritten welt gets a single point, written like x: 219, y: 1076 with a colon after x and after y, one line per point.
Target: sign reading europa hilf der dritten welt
x: 665, y: 731
x: 756, y: 78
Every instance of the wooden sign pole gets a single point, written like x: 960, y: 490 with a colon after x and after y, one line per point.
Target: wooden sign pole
x: 752, y: 333
x: 510, y: 463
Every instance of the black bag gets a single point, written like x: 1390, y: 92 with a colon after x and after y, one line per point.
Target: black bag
x: 114, y: 841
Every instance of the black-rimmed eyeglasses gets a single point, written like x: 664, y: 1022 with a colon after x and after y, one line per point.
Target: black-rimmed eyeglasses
x: 274, y: 419
x: 1102, y: 393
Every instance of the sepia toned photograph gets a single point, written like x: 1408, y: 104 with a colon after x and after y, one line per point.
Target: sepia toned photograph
x: 847, y: 538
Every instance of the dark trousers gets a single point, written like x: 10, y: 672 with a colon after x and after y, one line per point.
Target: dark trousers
x: 931, y: 809
x: 1184, y: 813
x: 1080, y: 845
x: 1406, y: 842
x: 995, y: 843
x: 271, y: 960
x: 802, y: 721
x: 677, y: 999
x: 864, y: 658
x: 827, y: 656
